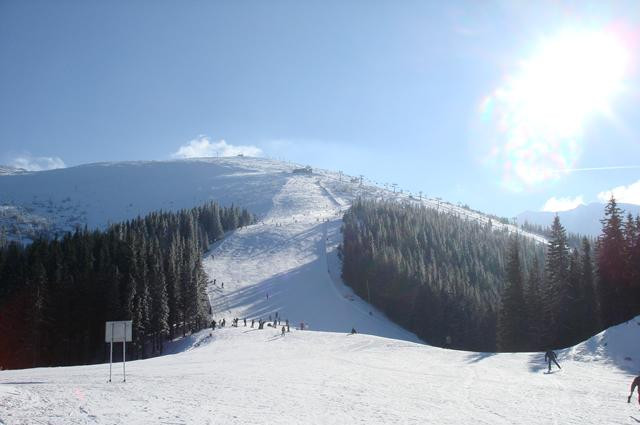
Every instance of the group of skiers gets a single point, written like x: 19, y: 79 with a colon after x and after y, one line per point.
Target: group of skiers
x: 271, y: 323
x: 221, y: 323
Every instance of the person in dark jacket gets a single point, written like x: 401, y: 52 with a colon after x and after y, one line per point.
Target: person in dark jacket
x: 634, y: 384
x: 353, y: 331
x: 551, y: 356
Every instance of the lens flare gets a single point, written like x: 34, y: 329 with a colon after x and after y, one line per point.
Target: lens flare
x: 536, y: 119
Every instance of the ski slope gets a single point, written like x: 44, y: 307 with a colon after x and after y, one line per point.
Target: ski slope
x: 287, y: 264
x: 249, y: 376
x: 383, y: 374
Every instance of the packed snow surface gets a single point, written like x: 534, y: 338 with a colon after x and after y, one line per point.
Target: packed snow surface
x: 250, y: 376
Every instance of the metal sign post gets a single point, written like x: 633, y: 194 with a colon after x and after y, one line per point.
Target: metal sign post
x: 124, y: 353
x: 111, y: 352
x: 118, y: 331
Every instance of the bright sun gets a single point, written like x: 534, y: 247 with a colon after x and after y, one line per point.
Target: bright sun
x: 538, y: 115
x: 570, y: 78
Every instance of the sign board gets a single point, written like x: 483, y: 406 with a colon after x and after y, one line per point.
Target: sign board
x: 118, y: 331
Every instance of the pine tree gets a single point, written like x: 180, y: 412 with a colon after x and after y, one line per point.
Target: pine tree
x: 159, y: 298
x: 512, y: 321
x: 590, y: 313
x: 533, y: 305
x: 554, y: 293
x: 611, y: 267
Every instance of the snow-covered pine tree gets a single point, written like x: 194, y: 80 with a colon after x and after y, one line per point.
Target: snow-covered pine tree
x: 512, y: 330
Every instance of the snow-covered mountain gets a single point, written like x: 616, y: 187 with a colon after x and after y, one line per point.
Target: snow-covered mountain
x: 94, y: 195
x: 287, y: 263
x: 584, y: 219
x: 7, y: 170
x: 291, y: 254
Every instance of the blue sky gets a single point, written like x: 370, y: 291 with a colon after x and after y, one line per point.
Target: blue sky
x: 422, y: 94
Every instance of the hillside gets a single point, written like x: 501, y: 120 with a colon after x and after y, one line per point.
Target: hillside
x: 381, y: 375
x: 244, y: 376
x: 97, y: 194
x: 290, y: 254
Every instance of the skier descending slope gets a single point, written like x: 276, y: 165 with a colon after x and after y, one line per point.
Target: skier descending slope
x: 549, y: 356
x: 634, y: 384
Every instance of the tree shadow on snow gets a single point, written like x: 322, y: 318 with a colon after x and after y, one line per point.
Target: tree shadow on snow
x: 476, y: 357
x: 23, y: 383
x: 303, y: 294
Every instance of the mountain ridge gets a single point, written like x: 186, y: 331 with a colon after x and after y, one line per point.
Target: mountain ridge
x: 584, y: 219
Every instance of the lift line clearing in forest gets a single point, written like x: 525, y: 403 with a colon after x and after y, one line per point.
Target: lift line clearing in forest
x: 119, y: 331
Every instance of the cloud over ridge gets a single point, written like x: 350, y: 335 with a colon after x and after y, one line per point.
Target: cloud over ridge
x: 629, y: 194
x: 37, y: 163
x: 554, y: 204
x: 202, y: 146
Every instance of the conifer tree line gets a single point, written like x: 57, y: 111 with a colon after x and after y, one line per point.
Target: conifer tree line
x: 55, y: 295
x: 436, y: 274
x: 442, y: 276
x: 577, y: 292
x: 574, y: 240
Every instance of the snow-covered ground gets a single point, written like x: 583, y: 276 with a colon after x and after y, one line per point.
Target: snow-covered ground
x: 97, y: 194
x: 287, y: 263
x: 249, y: 376
x: 322, y: 375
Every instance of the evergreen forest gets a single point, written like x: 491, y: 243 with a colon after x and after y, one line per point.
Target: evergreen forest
x: 458, y: 283
x: 55, y: 295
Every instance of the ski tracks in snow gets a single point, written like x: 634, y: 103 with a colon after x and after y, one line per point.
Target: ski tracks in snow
x: 281, y: 264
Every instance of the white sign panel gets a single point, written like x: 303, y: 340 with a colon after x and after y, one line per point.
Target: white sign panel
x: 118, y: 331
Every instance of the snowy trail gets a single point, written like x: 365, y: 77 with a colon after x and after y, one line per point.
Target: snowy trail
x: 245, y: 376
x: 281, y: 265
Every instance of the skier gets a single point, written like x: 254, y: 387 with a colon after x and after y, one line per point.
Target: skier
x: 353, y: 331
x: 213, y: 325
x: 283, y: 335
x: 549, y: 356
x: 245, y: 322
x: 288, y: 330
x: 634, y: 384
x: 252, y: 321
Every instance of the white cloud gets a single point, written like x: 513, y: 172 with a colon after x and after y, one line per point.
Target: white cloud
x: 554, y: 204
x: 203, y: 146
x: 37, y: 163
x: 626, y: 194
